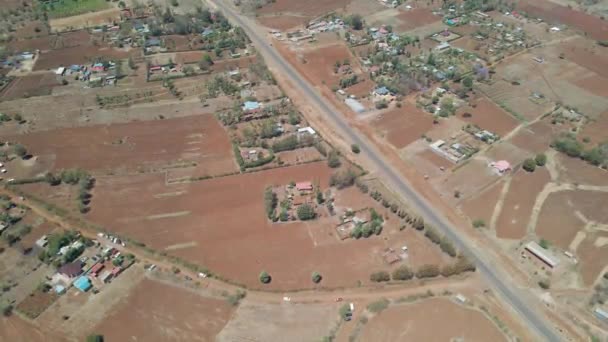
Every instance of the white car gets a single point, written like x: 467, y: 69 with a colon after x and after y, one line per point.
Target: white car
x: 404, y: 248
x: 3, y: 170
x: 11, y: 180
x: 1, y: 165
x: 287, y: 299
x: 202, y: 275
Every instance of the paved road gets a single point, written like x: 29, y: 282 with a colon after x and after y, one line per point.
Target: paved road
x: 499, y: 281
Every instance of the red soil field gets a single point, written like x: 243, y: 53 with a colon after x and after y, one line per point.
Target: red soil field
x: 283, y: 22
x: 537, y: 137
x: 29, y: 30
x: 482, y: 206
x: 554, y: 13
x: 415, y: 18
x: 221, y: 223
x: 15, y: 329
x: 404, y: 125
x: 72, y: 39
x: 436, y: 159
x: 42, y: 44
x: 76, y: 55
x: 581, y: 52
x: 489, y: 116
x: 596, y: 129
x: 420, y: 322
x: 576, y: 171
x: 592, y: 258
x: 362, y: 89
x: 198, y: 139
x: 31, y: 85
x: 155, y: 311
x: 592, y: 204
x: 557, y: 221
x: 595, y: 84
x: 320, y: 63
x: 519, y: 201
x: 305, y: 7
x: 177, y: 43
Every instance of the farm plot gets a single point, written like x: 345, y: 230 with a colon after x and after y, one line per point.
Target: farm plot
x: 411, y: 323
x: 283, y: 22
x: 268, y: 322
x: 33, y: 44
x: 402, y: 126
x: 196, y: 139
x: 304, y: 7
x: 586, y: 54
x: 489, y: 116
x: 16, y: 329
x: 518, y: 203
x: 85, y: 20
x: 82, y: 54
x: 481, y: 206
x: 31, y: 85
x: 157, y: 311
x: 592, y: 253
x: 201, y: 221
x: 576, y: 171
x: 66, y: 8
x: 557, y: 221
x: 320, y: 63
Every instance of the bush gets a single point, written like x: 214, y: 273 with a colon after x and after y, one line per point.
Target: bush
x: 540, y: 159
x: 432, y: 235
x: 306, y: 212
x: 479, y: 223
x: 343, y: 179
x: 270, y: 202
x: 380, y: 276
x: 316, y: 277
x: 333, y: 159
x: 529, y: 165
x: 427, y: 271
x: 544, y: 284
x: 403, y: 272
x: 569, y: 145
x: 463, y: 265
x: 355, y: 148
x: 447, y: 247
x: 378, y: 305
x: 7, y: 310
x: 265, y: 278
x: 95, y: 338
x: 544, y: 243
x: 20, y: 150
x: 287, y: 144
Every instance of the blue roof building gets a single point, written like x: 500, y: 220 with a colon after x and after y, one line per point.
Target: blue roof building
x: 381, y: 91
x: 251, y: 105
x: 83, y: 284
x: 208, y: 31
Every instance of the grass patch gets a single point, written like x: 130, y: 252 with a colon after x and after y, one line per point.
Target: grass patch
x: 512, y: 112
x: 67, y: 8
x: 378, y: 306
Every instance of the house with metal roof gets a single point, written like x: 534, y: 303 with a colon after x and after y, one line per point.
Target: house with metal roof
x: 83, y: 284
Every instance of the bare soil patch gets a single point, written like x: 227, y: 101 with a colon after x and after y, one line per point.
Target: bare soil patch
x: 107, y: 16
x: 280, y: 322
x: 196, y: 139
x: 489, y: 116
x: 592, y: 258
x: 518, y: 203
x: 577, y: 171
x: 32, y: 30
x: 157, y: 311
x: 16, y: 329
x: 36, y: 303
x: 586, y: 54
x: 557, y: 221
x: 411, y: 322
x: 594, y: 84
x: 31, y: 85
x: 402, y: 126
x: 319, y: 66
x: 304, y: 7
x: 283, y: 22
x: 596, y: 129
x: 482, y: 206
x: 76, y: 55
x: 415, y: 18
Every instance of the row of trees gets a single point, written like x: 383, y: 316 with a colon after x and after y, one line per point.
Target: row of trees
x: 404, y: 272
x: 569, y: 145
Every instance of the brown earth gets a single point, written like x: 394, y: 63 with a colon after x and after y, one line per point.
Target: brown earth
x: 31, y: 85
x: 592, y: 258
x: 412, y: 322
x: 481, y: 207
x: 517, y: 207
x: 76, y: 55
x: 36, y: 303
x: 319, y: 66
x: 489, y: 116
x: 557, y: 221
x: 586, y: 54
x: 31, y: 30
x: 594, y: 84
x: 42, y: 44
x: 154, y: 311
x: 577, y: 171
x: 305, y: 7
x: 15, y: 329
x: 198, y: 139
x: 283, y: 22
x: 596, y: 129
x: 107, y: 16
x: 402, y: 126
x: 414, y: 18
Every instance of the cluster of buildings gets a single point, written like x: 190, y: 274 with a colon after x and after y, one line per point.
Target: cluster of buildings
x: 95, y: 74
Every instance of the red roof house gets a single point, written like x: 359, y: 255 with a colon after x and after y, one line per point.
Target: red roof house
x: 304, y: 186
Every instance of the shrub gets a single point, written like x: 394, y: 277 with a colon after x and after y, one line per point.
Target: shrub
x: 463, y: 265
x: 448, y: 271
x: 540, y: 159
x: 355, y: 148
x: 427, y: 271
x: 333, y: 159
x: 287, y: 144
x: 265, y: 278
x: 479, y: 223
x: 403, y: 272
x: 270, y: 202
x: 544, y: 284
x: 529, y: 165
x: 343, y: 179
x: 544, y: 243
x: 432, y: 235
x: 20, y: 150
x: 378, y: 305
x: 569, y: 145
x: 362, y: 186
x: 380, y: 276
x: 95, y: 338
x: 418, y: 223
x: 7, y: 310
x: 316, y: 277
x: 447, y: 247
x: 306, y: 212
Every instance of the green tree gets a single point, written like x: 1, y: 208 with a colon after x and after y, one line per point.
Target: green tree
x: 205, y: 63
x: 380, y: 276
x: 94, y: 338
x: 333, y: 159
x: 355, y: 21
x: 20, y: 150
x: 468, y: 82
x: 529, y: 165
x: 306, y: 212
x: 544, y: 243
x: 316, y: 277
x: 403, y: 272
x: 355, y: 148
x: 265, y: 278
x: 540, y: 159
x: 427, y: 271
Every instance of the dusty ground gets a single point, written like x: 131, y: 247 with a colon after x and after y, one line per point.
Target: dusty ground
x: 413, y: 322
x: 304, y: 7
x: 32, y: 85
x: 157, y: 311
x: 107, y: 16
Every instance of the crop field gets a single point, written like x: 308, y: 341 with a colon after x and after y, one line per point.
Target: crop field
x: 402, y: 126
x: 591, y: 250
x: 14, y: 328
x: 156, y: 311
x: 283, y: 22
x: 66, y: 8
x: 415, y: 18
x: 82, y: 54
x: 410, y: 322
x: 85, y: 20
x: 557, y: 221
x: 291, y: 322
x: 481, y: 206
x: 31, y: 85
x: 189, y: 141
x: 319, y: 66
